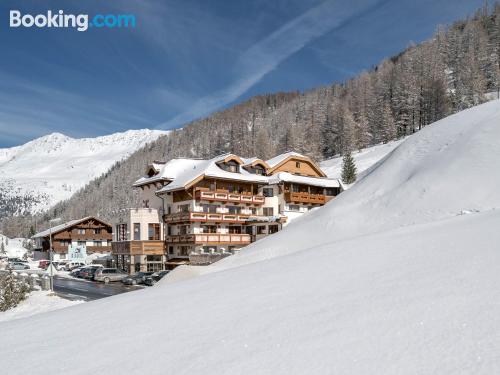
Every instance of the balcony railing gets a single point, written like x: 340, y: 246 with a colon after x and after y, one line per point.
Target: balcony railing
x: 209, y: 238
x: 180, y: 217
x: 305, y: 198
x: 210, y: 195
x: 138, y: 247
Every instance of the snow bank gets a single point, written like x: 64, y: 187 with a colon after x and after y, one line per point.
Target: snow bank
x: 37, y: 302
x: 390, y: 278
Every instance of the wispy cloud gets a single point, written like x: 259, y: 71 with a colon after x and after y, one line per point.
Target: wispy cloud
x: 268, y: 53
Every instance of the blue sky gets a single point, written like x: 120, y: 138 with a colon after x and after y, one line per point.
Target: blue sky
x: 186, y: 59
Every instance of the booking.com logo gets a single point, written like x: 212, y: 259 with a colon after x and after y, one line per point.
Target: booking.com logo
x: 80, y: 22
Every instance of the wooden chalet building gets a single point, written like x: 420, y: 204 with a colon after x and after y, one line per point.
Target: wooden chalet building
x: 198, y: 211
x: 89, y: 232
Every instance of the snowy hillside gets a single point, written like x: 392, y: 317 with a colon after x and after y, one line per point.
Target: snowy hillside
x: 364, y: 159
x: 49, y: 169
x: 399, y: 275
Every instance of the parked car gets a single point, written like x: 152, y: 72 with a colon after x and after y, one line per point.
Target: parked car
x: 75, y: 272
x: 17, y: 266
x: 87, y: 272
x: 155, y: 277
x: 72, y: 265
x: 43, y: 264
x: 61, y: 266
x: 137, y: 278
x: 107, y: 275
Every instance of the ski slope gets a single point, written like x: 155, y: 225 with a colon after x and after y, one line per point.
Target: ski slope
x: 398, y: 275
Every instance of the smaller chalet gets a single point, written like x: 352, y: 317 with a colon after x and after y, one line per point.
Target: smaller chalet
x: 89, y: 235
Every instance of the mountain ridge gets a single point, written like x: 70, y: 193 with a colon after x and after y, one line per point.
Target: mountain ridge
x: 48, y: 169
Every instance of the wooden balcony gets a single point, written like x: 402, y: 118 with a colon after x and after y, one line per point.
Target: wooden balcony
x: 138, y: 247
x: 183, y: 217
x: 292, y: 197
x: 221, y: 196
x: 210, y: 239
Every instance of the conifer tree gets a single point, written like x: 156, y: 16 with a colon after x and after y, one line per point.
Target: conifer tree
x: 348, y: 168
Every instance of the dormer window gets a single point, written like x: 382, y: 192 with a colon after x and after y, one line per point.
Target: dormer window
x: 230, y: 166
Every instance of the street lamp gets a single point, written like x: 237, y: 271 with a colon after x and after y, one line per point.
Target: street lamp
x: 56, y: 220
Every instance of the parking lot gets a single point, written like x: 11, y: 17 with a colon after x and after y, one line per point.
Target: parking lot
x: 75, y: 289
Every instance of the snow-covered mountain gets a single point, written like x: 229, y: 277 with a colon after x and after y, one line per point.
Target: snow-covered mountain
x: 398, y: 275
x: 49, y: 169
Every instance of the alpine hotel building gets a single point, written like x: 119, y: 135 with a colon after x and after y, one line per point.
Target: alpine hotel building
x: 199, y: 211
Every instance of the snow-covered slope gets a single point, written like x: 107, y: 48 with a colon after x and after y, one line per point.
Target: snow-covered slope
x: 51, y: 168
x: 390, y: 278
x: 364, y: 159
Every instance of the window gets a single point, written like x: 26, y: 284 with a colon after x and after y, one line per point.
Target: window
x: 81, y: 243
x: 297, y: 164
x: 80, y: 231
x: 183, y: 208
x: 121, y: 232
x: 153, y: 231
x: 293, y: 207
x: 261, y: 230
x: 137, y: 231
x: 234, y: 210
x: 273, y: 229
x: 154, y: 263
x: 258, y: 170
x: 235, y: 230
x: 268, y: 211
x: 268, y: 192
x: 232, y: 168
x: 96, y: 230
x: 209, y: 228
x: 98, y: 243
x: 295, y: 189
x: 183, y: 251
x: 170, y: 249
x: 331, y: 192
x: 209, y: 208
x: 183, y: 229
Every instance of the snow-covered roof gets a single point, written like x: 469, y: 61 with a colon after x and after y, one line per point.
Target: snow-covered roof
x: 194, y: 169
x: 282, y: 157
x: 64, y: 226
x: 170, y: 170
x: 182, y: 172
x: 313, y: 181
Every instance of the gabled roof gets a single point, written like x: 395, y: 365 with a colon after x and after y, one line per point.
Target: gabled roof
x: 251, y: 162
x: 279, y: 160
x: 66, y: 225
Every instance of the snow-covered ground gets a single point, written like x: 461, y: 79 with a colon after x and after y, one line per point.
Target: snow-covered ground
x: 36, y: 303
x: 398, y: 275
x: 53, y: 167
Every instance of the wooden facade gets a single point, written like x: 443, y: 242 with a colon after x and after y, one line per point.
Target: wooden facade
x: 90, y: 229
